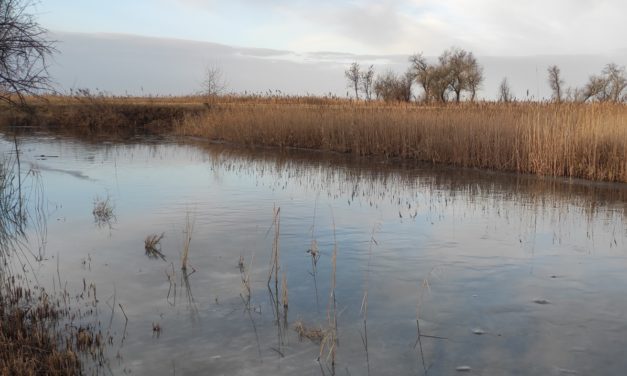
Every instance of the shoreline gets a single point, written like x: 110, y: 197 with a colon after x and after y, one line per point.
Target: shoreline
x: 572, y: 140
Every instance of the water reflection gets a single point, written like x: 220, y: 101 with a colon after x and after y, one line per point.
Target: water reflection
x: 459, y: 260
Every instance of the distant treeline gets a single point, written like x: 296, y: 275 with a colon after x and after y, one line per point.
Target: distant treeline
x: 457, y: 76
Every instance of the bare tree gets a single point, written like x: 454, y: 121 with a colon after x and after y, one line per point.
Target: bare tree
x: 353, y: 76
x: 441, y: 78
x: 616, y: 81
x: 451, y: 73
x: 24, y: 52
x: 366, y: 82
x: 392, y: 87
x: 595, y: 88
x: 384, y: 86
x: 213, y: 83
x: 608, y: 86
x: 433, y: 79
x: 475, y: 77
x: 422, y: 74
x: 457, y: 71
x: 555, y: 82
x: 505, y: 93
x: 462, y: 71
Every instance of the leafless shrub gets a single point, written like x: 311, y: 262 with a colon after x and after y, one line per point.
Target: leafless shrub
x: 555, y: 82
x: 505, y: 92
x: 353, y: 75
x: 393, y: 87
x: 608, y: 86
x: 367, y: 82
x: 213, y: 83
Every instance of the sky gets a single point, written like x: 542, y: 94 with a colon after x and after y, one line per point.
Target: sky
x: 332, y: 33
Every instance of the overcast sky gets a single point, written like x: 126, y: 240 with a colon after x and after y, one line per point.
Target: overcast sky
x: 302, y: 29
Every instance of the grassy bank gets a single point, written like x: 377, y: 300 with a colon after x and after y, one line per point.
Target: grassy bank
x: 573, y: 140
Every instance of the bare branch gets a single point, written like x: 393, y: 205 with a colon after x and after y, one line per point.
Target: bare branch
x: 353, y: 75
x: 555, y: 82
x: 24, y: 53
x: 366, y: 82
x: 213, y: 83
x: 505, y: 93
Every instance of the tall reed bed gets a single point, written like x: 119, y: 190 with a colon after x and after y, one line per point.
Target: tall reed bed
x: 573, y: 140
x: 569, y: 139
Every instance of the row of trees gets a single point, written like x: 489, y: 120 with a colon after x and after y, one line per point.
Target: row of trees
x: 456, y: 72
x: 608, y: 86
x: 457, y: 75
x: 604, y: 87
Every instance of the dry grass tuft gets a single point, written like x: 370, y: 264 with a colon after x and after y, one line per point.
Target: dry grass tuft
x: 103, y: 211
x: 311, y: 333
x: 152, y: 245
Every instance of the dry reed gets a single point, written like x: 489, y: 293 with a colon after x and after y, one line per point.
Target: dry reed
x: 582, y: 140
x: 275, y: 263
x: 284, y: 295
x: 364, y: 302
x: 245, y: 275
x: 330, y: 341
x: 189, y: 228
x: 276, y: 255
x: 573, y: 140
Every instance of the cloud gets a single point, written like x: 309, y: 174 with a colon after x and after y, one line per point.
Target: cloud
x: 121, y: 64
x: 538, y: 27
x: 402, y: 26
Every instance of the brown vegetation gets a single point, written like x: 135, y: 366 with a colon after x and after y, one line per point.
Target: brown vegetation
x: 152, y: 246
x: 31, y: 340
x: 311, y: 333
x: 573, y: 140
x: 85, y: 114
x: 582, y: 140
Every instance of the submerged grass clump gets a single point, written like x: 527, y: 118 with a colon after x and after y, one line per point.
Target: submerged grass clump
x: 152, y: 245
x: 103, y: 211
x: 314, y: 334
